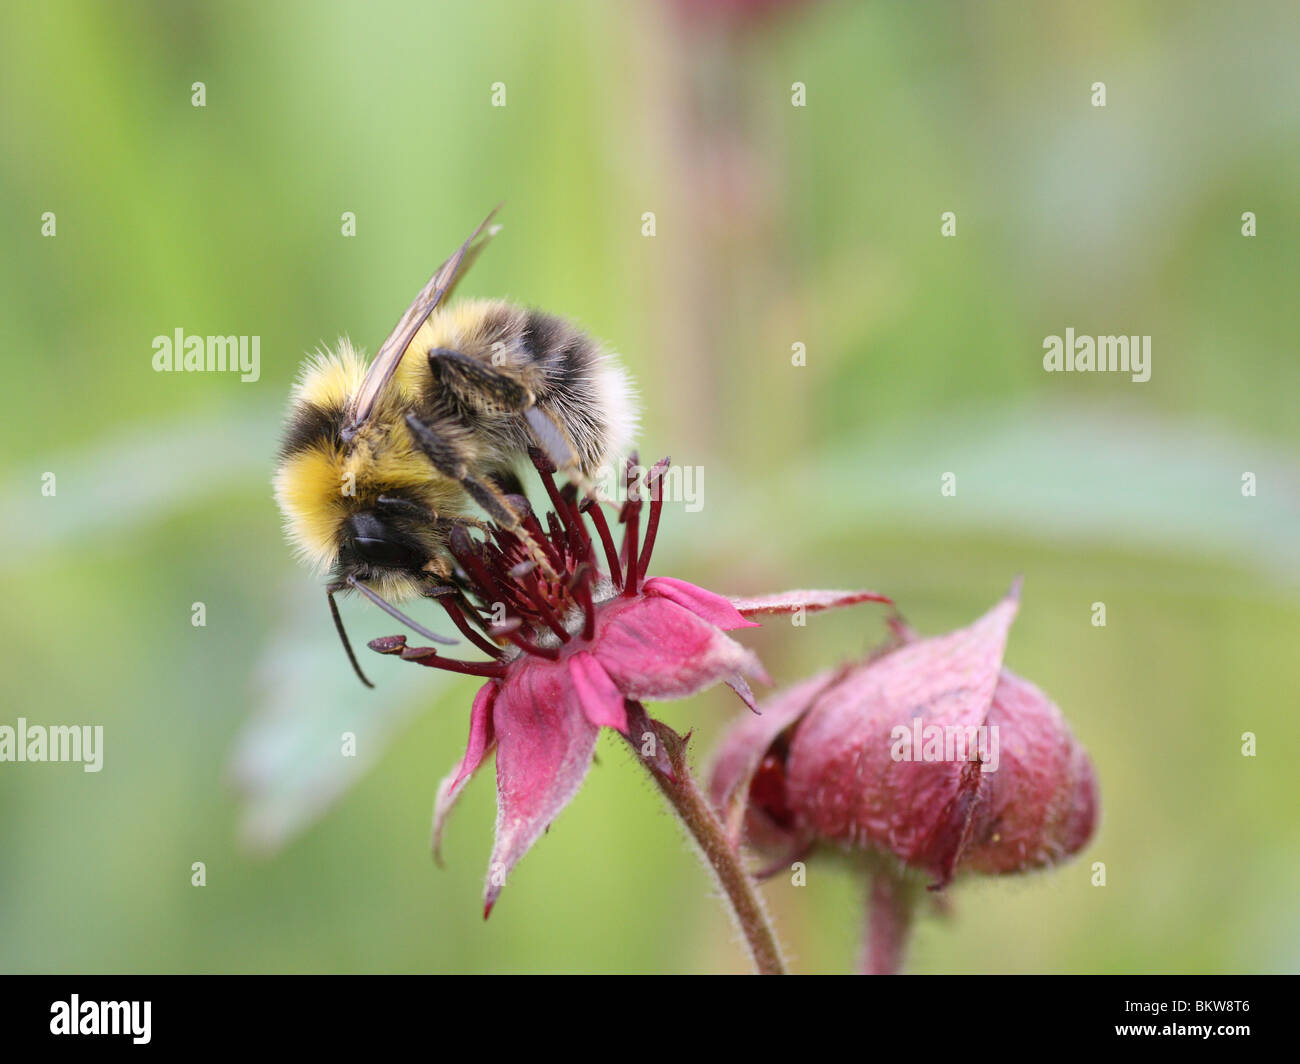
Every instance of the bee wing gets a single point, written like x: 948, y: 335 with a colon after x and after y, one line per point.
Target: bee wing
x: 390, y: 353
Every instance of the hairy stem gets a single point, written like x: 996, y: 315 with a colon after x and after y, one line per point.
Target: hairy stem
x: 663, y: 752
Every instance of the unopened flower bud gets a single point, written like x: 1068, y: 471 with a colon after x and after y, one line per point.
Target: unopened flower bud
x: 930, y: 751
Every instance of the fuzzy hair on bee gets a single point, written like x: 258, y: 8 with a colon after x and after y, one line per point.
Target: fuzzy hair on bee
x: 380, y: 461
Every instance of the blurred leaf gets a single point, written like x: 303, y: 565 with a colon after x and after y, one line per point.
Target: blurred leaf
x: 1069, y: 474
x: 289, y: 763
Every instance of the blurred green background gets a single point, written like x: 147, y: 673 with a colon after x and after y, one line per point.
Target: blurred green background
x: 775, y: 225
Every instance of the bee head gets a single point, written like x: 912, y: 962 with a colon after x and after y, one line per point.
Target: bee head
x: 390, y: 544
x: 366, y: 538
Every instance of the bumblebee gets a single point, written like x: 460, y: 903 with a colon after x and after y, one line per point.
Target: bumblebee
x: 380, y: 462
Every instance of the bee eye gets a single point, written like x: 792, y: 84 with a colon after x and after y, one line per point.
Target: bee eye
x: 376, y: 543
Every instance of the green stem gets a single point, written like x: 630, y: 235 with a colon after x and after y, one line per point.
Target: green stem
x: 663, y: 752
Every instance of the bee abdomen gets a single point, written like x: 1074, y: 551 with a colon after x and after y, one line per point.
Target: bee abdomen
x: 579, y: 384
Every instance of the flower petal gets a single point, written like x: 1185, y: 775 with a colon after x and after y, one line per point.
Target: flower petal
x: 810, y: 601
x: 841, y: 774
x: 1042, y: 801
x: 703, y: 603
x: 743, y: 691
x: 601, y: 700
x: 745, y: 744
x: 481, y: 741
x: 653, y: 648
x: 544, y: 748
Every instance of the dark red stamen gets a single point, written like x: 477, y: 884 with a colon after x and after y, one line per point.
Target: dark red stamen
x: 490, y: 587
x: 582, y: 545
x: 629, y: 551
x: 457, y: 616
x: 529, y: 581
x: 631, y: 518
x: 580, y: 586
x: 472, y: 613
x: 559, y: 540
x: 548, y: 481
x: 396, y: 644
x: 654, y: 484
x: 534, y: 528
x: 510, y: 630
x: 597, y: 515
x: 541, y: 461
x: 504, y: 540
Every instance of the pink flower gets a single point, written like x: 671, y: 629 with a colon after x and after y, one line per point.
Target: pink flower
x: 583, y: 648
x: 849, y: 758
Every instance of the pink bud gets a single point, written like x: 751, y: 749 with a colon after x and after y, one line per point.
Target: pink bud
x: 930, y: 751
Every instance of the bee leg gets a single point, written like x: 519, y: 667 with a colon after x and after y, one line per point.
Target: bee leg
x: 481, y: 387
x: 449, y: 462
x: 508, y: 483
x: 490, y: 390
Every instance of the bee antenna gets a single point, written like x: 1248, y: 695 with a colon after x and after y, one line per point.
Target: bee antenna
x: 397, y: 614
x: 343, y: 635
